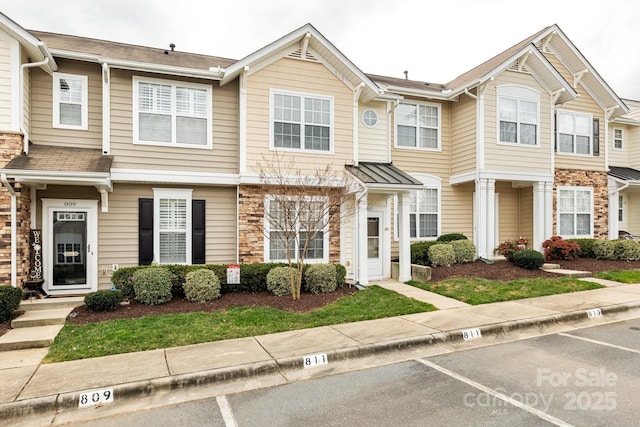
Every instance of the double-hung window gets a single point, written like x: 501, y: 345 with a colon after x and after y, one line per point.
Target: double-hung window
x: 172, y: 226
x: 294, y: 225
x: 171, y: 113
x: 418, y: 125
x: 618, y: 138
x: 575, y: 211
x: 518, y: 115
x: 301, y: 121
x: 70, y: 101
x: 423, y: 214
x: 574, y: 133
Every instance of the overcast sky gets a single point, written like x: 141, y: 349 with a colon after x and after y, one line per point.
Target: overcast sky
x: 434, y: 40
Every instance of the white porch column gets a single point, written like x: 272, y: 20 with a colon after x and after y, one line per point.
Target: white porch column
x: 362, y: 274
x: 481, y: 218
x: 614, y: 205
x: 539, y: 208
x: 405, y: 239
x: 548, y: 211
x: 491, y: 217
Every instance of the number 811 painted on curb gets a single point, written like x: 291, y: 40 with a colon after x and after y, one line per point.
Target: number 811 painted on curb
x: 471, y: 334
x: 314, y: 360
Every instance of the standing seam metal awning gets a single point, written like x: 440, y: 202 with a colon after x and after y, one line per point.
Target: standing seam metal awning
x: 383, y: 175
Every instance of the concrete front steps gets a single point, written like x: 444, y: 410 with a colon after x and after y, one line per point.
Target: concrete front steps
x: 40, y: 324
x: 555, y: 268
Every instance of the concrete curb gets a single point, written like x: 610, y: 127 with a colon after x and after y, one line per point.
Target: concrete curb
x: 65, y: 401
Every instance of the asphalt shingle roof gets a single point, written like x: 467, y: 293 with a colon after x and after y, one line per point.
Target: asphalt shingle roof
x: 627, y: 174
x: 61, y: 159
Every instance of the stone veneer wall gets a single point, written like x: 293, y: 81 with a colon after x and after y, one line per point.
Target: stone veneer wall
x: 594, y: 179
x: 251, y: 225
x: 11, y: 146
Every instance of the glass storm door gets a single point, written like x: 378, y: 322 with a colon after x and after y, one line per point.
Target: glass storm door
x: 70, y: 233
x: 374, y: 244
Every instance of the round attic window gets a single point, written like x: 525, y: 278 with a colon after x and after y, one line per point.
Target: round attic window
x: 370, y: 118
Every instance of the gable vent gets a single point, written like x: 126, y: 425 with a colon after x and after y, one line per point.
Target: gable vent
x: 298, y: 55
x: 516, y: 67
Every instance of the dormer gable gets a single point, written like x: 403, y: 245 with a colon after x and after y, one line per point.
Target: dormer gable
x: 306, y: 43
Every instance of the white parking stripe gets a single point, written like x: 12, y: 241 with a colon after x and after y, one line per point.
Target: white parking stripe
x: 600, y: 343
x: 538, y: 413
x: 225, y: 410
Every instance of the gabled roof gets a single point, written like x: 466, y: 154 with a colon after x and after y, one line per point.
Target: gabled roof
x: 35, y: 49
x: 305, y: 38
x: 525, y: 53
x: 128, y: 56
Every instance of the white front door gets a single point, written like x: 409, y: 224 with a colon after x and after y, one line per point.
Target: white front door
x: 70, y: 250
x: 374, y: 244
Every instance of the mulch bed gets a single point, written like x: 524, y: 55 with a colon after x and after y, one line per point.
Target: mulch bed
x: 500, y: 270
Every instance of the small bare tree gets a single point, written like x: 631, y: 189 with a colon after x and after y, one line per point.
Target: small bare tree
x: 300, y: 208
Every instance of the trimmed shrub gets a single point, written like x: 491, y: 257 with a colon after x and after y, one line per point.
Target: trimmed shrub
x: 105, y: 300
x: 586, y: 247
x: 279, y: 280
x: 152, y: 286
x: 464, y: 251
x: 558, y: 248
x: 122, y: 279
x: 10, y: 298
x: 441, y: 255
x: 604, y: 249
x: 420, y: 252
x: 529, y: 259
x: 451, y: 237
x: 201, y: 285
x: 508, y: 249
x: 626, y: 250
x: 341, y: 273
x: 320, y: 278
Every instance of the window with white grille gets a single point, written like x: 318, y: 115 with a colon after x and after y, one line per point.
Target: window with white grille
x: 70, y: 101
x: 172, y: 226
x: 171, y: 113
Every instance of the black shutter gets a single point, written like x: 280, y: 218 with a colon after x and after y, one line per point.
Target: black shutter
x: 197, y: 231
x: 555, y: 131
x: 596, y: 137
x: 145, y: 231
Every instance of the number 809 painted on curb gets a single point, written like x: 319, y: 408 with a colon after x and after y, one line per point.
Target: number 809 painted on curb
x: 92, y: 398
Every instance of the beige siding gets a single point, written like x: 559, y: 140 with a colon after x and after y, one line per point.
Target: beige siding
x: 305, y: 77
x: 515, y: 212
x: 5, y: 82
x: 222, y: 158
x: 633, y: 143
x: 457, y: 209
x: 118, y: 228
x: 26, y: 90
x: 632, y: 212
x: 508, y: 157
x: 463, y: 135
x: 42, y: 130
x: 584, y: 104
x: 373, y: 143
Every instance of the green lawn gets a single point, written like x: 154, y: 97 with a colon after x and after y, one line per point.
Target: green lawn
x: 152, y: 332
x: 484, y: 291
x: 624, y: 276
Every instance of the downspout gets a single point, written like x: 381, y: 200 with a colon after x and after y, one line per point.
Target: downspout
x: 356, y: 97
x: 21, y: 92
x: 14, y: 229
x: 390, y: 110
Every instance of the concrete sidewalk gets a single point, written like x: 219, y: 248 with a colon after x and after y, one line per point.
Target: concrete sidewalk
x: 29, y: 388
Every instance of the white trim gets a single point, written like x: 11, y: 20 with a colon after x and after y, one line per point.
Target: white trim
x: 363, y: 118
x: 417, y: 104
x: 106, y: 108
x: 302, y: 95
x: 326, y: 241
x: 84, y: 103
x: 92, y: 255
x: 518, y: 93
x: 383, y: 241
x: 136, y: 80
x: 171, y: 193
x: 176, y: 177
x: 622, y: 144
x: 242, y: 122
x: 17, y: 109
x: 591, y: 212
